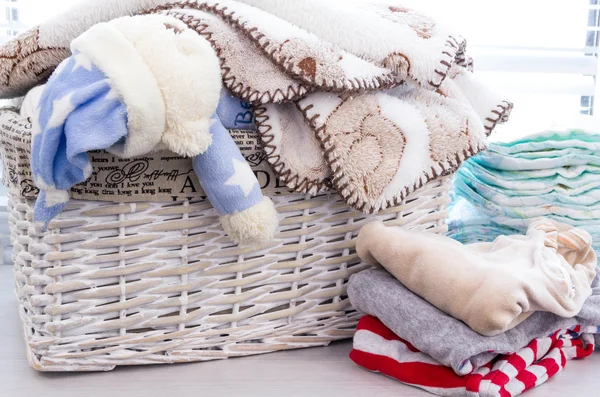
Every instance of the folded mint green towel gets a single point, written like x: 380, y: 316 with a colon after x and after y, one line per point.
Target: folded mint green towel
x: 555, y: 174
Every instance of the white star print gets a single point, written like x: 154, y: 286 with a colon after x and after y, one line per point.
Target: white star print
x: 242, y: 177
x: 40, y: 183
x: 88, y: 170
x: 56, y: 197
x: 82, y: 61
x: 59, y: 69
x: 112, y: 94
x: 61, y: 108
x: 35, y: 123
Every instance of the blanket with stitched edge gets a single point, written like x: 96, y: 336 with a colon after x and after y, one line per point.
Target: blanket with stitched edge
x: 375, y: 112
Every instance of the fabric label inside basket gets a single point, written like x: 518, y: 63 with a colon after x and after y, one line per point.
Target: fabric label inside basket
x: 159, y: 177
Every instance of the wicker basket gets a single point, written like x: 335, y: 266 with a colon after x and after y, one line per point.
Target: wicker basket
x: 146, y: 283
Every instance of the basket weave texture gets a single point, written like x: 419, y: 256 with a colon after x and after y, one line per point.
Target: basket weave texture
x: 146, y: 283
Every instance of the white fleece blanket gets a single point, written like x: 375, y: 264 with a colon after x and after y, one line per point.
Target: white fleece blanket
x: 368, y: 97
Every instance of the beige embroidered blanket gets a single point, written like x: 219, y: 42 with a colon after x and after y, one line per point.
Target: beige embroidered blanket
x: 367, y: 97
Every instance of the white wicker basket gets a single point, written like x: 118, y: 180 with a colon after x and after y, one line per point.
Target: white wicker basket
x: 126, y: 284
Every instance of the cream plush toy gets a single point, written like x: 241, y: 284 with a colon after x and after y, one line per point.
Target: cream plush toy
x: 136, y: 85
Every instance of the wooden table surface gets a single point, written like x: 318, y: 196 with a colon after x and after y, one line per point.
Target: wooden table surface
x: 314, y: 372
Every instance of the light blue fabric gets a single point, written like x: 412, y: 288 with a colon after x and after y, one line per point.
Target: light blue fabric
x: 470, y: 223
x: 523, y: 161
x: 554, y: 174
x: 566, y: 180
x: 467, y: 224
x: 560, y: 194
x: 230, y: 185
x: 572, y: 214
x: 79, y: 112
x: 234, y: 113
x: 550, y: 140
x: 549, y: 150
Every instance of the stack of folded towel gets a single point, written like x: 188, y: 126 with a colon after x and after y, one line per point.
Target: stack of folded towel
x: 555, y: 174
x: 467, y: 224
x: 486, y: 319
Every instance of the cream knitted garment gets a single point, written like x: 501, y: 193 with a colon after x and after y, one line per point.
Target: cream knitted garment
x: 492, y: 287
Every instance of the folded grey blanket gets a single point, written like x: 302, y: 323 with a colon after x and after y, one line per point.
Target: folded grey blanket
x: 447, y: 340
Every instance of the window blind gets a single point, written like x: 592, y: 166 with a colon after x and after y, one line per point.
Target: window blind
x: 10, y: 24
x: 543, y: 54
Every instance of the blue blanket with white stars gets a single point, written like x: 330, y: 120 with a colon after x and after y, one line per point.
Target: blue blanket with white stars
x: 80, y: 111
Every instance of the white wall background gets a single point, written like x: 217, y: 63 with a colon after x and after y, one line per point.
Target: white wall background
x: 35, y: 11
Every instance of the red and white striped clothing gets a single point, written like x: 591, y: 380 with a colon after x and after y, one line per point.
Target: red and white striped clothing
x: 378, y: 349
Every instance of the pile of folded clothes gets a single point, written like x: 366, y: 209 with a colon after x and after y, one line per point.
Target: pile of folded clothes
x: 555, y: 174
x: 485, y: 319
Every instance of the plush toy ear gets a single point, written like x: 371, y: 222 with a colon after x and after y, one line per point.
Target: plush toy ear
x: 188, y: 138
x: 168, y: 76
x: 189, y: 74
x: 113, y: 47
